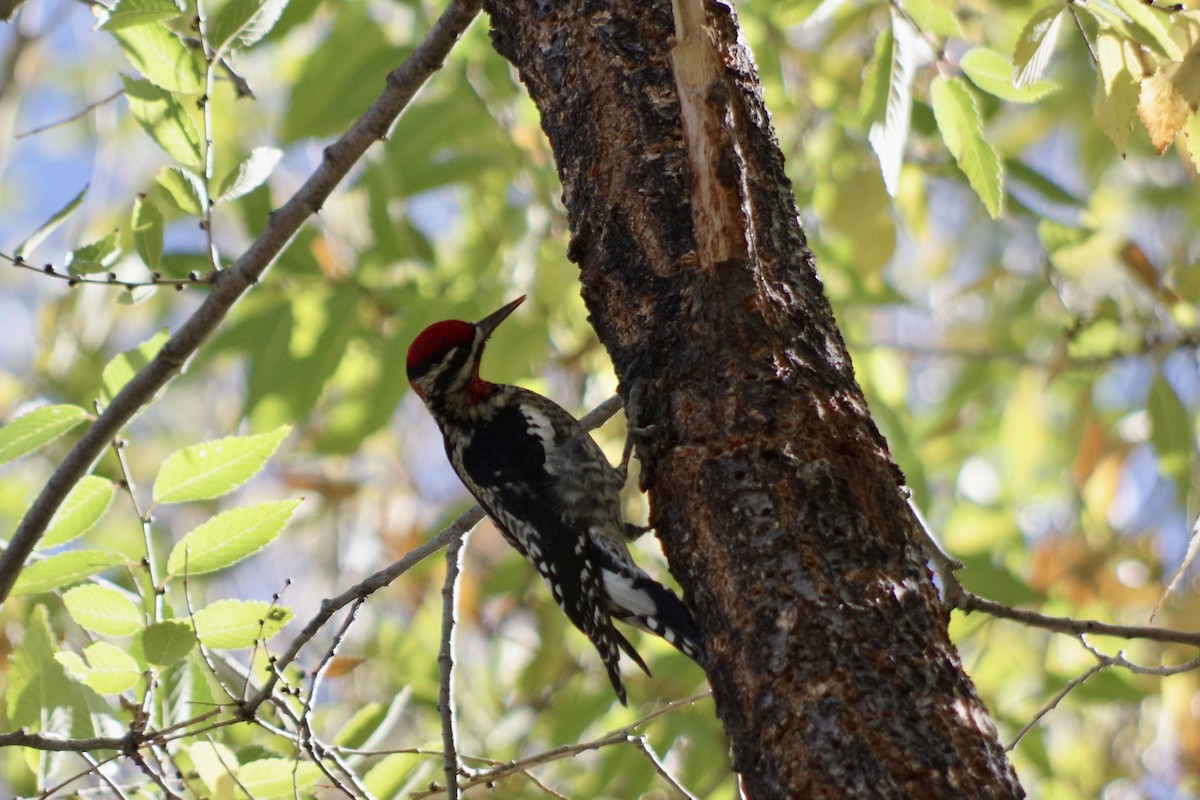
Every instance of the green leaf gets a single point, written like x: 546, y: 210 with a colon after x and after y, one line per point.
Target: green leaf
x: 164, y: 643
x: 272, y: 778
x: 185, y: 189
x: 1118, y: 87
x: 213, y: 762
x: 147, y: 226
x: 124, y: 367
x: 64, y: 568
x: 1192, y: 143
x: 158, y: 53
x: 234, y: 624
x: 110, y: 670
x: 1036, y: 44
x: 130, y: 13
x: 300, y: 344
x: 372, y: 721
x: 229, y: 537
x: 340, y: 78
x: 889, y: 135
x: 1142, y: 24
x: 241, y: 23
x: 207, y: 470
x: 1171, y: 433
x: 30, y: 431
x: 162, y: 116
x: 95, y: 257
x: 82, y: 509
x: 958, y: 119
x: 933, y: 18
x: 872, y: 100
x: 102, y: 609
x: 249, y: 174
x: 389, y: 776
x: 37, y: 683
x: 27, y: 247
x: 992, y: 73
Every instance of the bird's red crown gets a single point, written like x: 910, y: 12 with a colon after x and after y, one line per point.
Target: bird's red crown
x: 437, y: 339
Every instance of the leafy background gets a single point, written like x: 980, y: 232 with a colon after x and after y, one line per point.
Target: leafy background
x: 1002, y: 200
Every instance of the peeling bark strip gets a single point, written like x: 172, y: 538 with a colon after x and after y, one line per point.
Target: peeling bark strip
x: 777, y: 502
x: 717, y: 212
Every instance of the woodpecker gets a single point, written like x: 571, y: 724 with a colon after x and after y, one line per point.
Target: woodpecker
x: 549, y: 489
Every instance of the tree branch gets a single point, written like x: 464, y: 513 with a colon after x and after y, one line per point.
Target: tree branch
x: 450, y: 767
x: 966, y: 601
x: 229, y: 285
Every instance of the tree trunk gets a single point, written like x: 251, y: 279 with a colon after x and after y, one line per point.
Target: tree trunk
x: 777, y: 502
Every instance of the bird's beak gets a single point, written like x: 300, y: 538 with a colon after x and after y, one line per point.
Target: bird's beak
x: 491, y: 321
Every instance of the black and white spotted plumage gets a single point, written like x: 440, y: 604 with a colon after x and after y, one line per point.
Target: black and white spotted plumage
x: 549, y: 489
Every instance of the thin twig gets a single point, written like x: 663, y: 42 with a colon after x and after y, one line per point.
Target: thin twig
x: 154, y: 776
x: 619, y: 736
x: 83, y: 112
x: 228, y: 770
x: 1103, y: 661
x: 450, y: 765
x: 317, y: 750
x: 539, y: 784
x: 1119, y: 660
x: 229, y: 285
x: 319, y: 673
x: 1193, y: 550
x: 53, y: 790
x: 96, y: 768
x: 1051, y: 704
x: 945, y: 564
x: 109, y: 278
x: 659, y: 767
x: 966, y: 601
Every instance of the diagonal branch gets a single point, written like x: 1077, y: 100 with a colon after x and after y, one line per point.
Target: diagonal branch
x: 229, y: 285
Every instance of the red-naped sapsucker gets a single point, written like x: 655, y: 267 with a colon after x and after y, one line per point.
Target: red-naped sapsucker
x: 549, y: 489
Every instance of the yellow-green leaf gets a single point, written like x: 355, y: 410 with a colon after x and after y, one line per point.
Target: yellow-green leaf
x: 234, y: 624
x: 1036, y: 43
x: 161, y: 56
x: 958, y: 120
x: 184, y: 188
x: 62, y: 569
x: 889, y: 135
x: 164, y: 643
x: 229, y: 537
x: 162, y: 116
x: 1171, y: 433
x: 48, y: 227
x: 992, y: 73
x: 102, y: 609
x: 1117, y: 89
x: 82, y: 509
x: 30, y: 431
x: 109, y: 669
x: 207, y: 470
x: 121, y: 369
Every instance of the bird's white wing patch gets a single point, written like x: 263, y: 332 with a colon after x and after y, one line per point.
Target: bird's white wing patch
x: 539, y: 426
x: 624, y: 594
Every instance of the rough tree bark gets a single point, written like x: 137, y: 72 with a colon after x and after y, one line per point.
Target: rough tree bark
x: 773, y: 492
